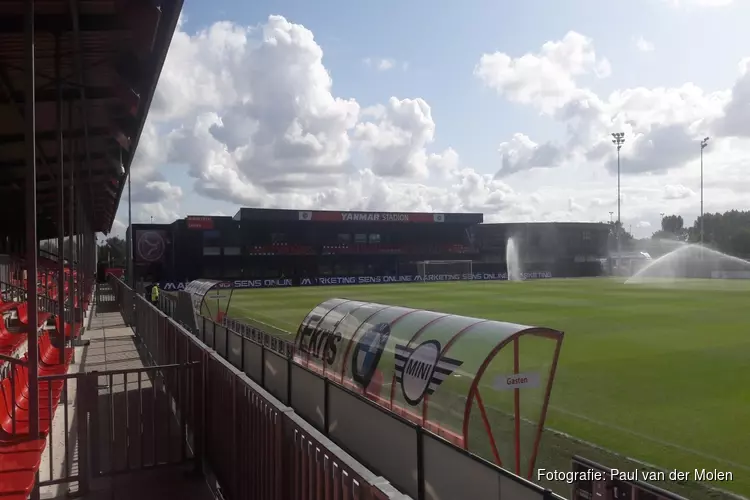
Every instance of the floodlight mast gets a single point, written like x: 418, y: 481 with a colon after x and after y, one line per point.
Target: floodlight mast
x: 618, y: 139
x: 704, y: 143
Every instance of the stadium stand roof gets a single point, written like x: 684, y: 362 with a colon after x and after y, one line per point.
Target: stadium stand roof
x: 268, y: 214
x: 109, y: 54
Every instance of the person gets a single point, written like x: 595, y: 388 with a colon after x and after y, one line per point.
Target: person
x: 155, y: 294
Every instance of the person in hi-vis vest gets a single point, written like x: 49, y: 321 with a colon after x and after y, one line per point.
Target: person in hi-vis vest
x: 155, y: 294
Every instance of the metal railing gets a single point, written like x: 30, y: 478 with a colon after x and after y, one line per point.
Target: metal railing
x: 416, y: 461
x: 252, y: 444
x: 104, y: 423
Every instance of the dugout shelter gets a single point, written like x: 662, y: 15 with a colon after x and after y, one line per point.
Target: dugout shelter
x: 203, y: 299
x: 483, y: 385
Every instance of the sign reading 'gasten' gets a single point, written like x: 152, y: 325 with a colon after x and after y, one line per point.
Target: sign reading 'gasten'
x: 516, y: 381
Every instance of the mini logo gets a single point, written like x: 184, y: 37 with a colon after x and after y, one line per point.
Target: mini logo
x: 421, y: 370
x: 367, y: 353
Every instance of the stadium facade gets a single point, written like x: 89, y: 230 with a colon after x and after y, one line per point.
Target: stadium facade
x: 273, y: 247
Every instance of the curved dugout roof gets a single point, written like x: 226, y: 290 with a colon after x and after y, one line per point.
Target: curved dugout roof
x: 209, y: 298
x: 434, y: 368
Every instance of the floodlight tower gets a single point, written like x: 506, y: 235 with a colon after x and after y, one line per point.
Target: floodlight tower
x: 618, y: 139
x: 704, y: 143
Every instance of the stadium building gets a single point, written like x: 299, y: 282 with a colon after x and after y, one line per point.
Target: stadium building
x: 270, y: 247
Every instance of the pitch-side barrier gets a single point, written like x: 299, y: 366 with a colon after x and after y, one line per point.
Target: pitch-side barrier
x: 414, y: 459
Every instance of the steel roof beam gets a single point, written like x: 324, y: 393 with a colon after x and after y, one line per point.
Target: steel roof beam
x: 69, y: 94
x: 60, y: 23
x: 18, y: 164
x: 75, y: 19
x: 51, y: 135
x: 4, y: 82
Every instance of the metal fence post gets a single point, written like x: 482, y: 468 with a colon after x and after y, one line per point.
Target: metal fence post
x: 86, y: 402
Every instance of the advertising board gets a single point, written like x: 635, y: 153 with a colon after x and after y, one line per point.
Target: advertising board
x: 360, y: 280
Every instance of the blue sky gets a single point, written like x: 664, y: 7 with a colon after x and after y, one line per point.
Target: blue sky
x: 442, y: 41
x: 436, y: 46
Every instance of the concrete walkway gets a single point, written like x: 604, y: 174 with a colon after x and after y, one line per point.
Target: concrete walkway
x: 118, y: 441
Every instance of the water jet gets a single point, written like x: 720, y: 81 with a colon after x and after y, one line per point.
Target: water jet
x: 513, y: 260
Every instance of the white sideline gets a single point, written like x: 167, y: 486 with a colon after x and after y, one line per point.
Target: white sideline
x: 58, y: 432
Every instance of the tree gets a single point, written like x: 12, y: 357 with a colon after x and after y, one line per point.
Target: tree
x: 740, y: 243
x: 627, y: 242
x: 113, y: 252
x: 672, y: 224
x: 672, y: 228
x: 727, y: 232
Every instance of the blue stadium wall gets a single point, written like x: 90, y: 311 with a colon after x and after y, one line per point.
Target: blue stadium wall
x: 221, y: 251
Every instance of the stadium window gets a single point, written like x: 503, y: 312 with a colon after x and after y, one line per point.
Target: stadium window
x: 211, y: 235
x: 344, y: 238
x: 374, y: 238
x: 211, y: 250
x: 325, y: 269
x: 360, y: 238
x: 278, y: 238
x: 212, y: 271
x: 232, y: 270
x: 231, y: 250
x: 586, y: 235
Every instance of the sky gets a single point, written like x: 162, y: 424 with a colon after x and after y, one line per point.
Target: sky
x: 504, y: 108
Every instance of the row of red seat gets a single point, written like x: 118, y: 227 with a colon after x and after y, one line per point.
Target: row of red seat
x: 345, y: 248
x: 20, y: 454
x: 395, y: 249
x: 281, y: 249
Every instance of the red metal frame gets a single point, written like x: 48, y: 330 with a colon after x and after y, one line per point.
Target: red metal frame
x: 488, y: 429
x: 443, y: 352
x: 517, y: 407
x: 545, y: 405
x: 474, y: 391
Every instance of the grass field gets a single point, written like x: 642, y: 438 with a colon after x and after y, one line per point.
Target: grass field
x: 660, y: 374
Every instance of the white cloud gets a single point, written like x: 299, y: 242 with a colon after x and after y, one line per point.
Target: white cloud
x: 677, y: 192
x: 643, y: 45
x: 661, y: 125
x: 663, y: 128
x: 545, y: 79
x: 698, y: 3
x: 521, y: 153
x: 251, y: 116
x: 384, y: 64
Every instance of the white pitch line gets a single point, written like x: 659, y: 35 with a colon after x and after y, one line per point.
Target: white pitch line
x: 594, y: 446
x: 252, y: 314
x: 641, y: 436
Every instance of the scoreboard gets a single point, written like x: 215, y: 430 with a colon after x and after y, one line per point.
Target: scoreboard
x: 608, y: 486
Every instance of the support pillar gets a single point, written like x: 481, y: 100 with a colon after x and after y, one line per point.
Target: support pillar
x: 72, y: 151
x: 82, y: 230
x: 60, y: 204
x: 131, y: 270
x: 31, y: 236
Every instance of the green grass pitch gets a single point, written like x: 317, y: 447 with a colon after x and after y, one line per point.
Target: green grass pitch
x: 659, y: 374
